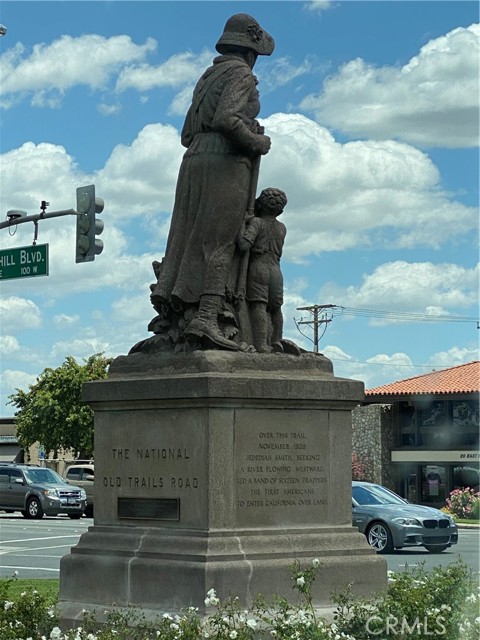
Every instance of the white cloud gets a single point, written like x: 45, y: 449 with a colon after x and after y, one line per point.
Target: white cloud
x: 361, y: 193
x: 14, y: 379
x: 318, y: 5
x: 34, y: 170
x: 378, y: 369
x: 178, y: 70
x: 109, y: 109
x: 19, y: 314
x: 79, y: 348
x: 431, y: 289
x: 63, y: 320
x: 138, y: 185
x: 49, y: 70
x: 431, y: 101
x: 454, y: 356
x: 140, y: 178
x: 133, y: 310
x: 383, y: 368
x: 181, y: 102
x: 340, y: 196
x: 8, y: 345
x: 279, y: 72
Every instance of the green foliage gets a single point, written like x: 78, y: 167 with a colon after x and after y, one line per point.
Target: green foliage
x: 26, y: 615
x: 442, y: 603
x: 51, y: 411
x: 46, y: 587
x: 132, y: 625
x: 475, y: 512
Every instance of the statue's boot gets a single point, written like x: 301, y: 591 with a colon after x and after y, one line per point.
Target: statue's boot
x: 205, y: 324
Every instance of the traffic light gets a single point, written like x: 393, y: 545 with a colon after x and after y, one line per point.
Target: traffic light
x: 88, y: 225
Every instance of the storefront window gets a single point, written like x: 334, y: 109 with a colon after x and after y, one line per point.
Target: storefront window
x: 432, y: 415
x: 435, y: 431
x: 465, y: 413
x: 412, y: 494
x: 466, y: 422
x: 408, y: 425
x: 433, y: 483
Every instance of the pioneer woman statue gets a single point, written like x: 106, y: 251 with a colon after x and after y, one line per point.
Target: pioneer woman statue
x: 195, y: 295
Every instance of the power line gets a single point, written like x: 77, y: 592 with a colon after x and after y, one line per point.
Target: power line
x: 400, y: 315
x: 324, y: 314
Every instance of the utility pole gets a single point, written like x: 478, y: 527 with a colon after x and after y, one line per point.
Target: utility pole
x: 319, y: 317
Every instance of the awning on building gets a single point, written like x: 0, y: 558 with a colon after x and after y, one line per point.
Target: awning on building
x: 8, y: 452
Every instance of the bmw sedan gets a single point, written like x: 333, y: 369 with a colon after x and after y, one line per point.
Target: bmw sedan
x: 389, y: 522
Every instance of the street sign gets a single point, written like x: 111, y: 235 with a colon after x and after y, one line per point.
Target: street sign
x: 24, y: 262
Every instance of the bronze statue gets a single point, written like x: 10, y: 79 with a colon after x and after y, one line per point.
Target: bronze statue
x: 199, y: 294
x: 263, y: 238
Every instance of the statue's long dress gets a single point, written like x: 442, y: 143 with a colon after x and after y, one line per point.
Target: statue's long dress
x: 214, y: 184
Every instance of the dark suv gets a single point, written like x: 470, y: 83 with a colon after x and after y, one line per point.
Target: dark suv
x: 35, y: 491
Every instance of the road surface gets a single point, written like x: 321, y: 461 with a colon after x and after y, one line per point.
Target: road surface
x: 34, y: 547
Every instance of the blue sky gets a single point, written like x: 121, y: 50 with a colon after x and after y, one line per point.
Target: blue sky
x: 373, y: 112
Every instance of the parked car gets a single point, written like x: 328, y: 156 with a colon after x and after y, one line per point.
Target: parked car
x: 35, y: 491
x: 83, y: 475
x: 390, y: 522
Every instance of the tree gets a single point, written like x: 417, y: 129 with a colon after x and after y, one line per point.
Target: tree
x: 52, y: 413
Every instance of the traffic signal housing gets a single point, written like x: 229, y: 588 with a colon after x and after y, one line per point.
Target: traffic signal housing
x: 88, y: 225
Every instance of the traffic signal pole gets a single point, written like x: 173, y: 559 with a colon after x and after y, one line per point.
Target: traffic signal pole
x: 88, y: 226
x: 13, y: 221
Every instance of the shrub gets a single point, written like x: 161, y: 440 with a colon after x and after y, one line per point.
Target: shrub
x: 28, y: 615
x: 358, y: 468
x: 464, y: 503
x: 442, y: 603
x: 475, y: 513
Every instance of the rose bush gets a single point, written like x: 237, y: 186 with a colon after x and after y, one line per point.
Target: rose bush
x: 442, y: 603
x: 464, y: 503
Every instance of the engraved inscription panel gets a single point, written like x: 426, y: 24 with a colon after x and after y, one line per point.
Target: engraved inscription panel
x: 281, y: 468
x: 151, y: 456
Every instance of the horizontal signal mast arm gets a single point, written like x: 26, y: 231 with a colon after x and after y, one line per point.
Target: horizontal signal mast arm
x: 38, y: 216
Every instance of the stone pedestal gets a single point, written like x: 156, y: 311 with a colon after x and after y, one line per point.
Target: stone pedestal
x: 218, y: 469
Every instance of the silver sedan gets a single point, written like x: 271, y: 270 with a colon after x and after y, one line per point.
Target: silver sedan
x: 389, y: 522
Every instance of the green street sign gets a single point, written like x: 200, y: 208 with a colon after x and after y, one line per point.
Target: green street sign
x: 24, y: 262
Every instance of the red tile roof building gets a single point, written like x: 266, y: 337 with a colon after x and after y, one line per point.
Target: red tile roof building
x: 464, y: 378
x: 413, y: 428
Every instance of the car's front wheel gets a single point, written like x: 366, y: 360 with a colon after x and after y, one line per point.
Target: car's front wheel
x: 436, y: 548
x: 380, y: 538
x: 34, y: 509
